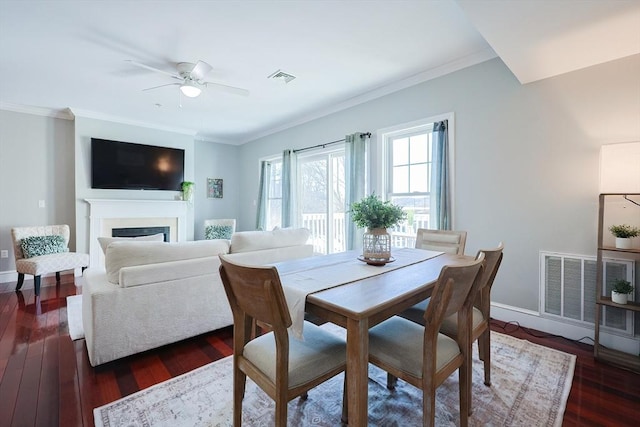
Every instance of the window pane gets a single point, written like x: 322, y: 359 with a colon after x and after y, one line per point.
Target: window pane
x: 417, y: 208
x: 338, y: 183
x: 275, y: 181
x: 338, y: 241
x: 314, y: 186
x: 419, y: 178
x: 419, y: 149
x: 400, y: 151
x: 401, y: 179
x: 274, y: 213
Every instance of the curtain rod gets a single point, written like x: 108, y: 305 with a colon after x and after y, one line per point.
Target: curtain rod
x: 364, y: 135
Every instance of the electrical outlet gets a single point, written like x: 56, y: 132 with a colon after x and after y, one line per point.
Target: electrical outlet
x: 4, y: 253
x: 41, y: 204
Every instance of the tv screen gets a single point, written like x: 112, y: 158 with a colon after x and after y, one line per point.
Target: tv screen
x: 123, y: 165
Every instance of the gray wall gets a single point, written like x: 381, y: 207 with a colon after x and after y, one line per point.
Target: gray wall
x: 526, y: 156
x: 216, y: 161
x: 36, y: 163
x: 40, y: 153
x: 526, y: 160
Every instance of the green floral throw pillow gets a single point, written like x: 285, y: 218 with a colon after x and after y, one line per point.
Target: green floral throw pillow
x: 42, y: 245
x: 218, y: 232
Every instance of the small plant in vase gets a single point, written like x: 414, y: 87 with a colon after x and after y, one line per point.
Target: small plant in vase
x: 623, y: 234
x: 620, y: 291
x: 376, y: 216
x: 187, y: 191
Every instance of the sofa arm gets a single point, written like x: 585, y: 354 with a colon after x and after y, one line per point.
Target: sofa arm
x: 162, y: 272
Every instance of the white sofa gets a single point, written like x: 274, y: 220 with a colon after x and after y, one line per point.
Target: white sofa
x: 154, y: 293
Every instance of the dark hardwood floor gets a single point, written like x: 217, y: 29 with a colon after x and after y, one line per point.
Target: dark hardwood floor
x: 46, y: 379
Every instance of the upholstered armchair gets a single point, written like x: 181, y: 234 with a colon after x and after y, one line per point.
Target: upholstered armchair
x: 44, y: 250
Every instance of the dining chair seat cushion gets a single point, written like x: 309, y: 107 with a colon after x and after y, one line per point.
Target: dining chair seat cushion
x: 318, y: 354
x: 450, y: 324
x: 399, y: 342
x: 416, y: 313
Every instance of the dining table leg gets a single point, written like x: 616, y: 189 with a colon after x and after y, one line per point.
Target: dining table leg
x: 358, y: 371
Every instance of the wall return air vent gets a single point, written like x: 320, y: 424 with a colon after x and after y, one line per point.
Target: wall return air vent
x: 282, y: 76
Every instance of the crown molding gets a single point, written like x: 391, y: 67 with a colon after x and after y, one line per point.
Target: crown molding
x: 87, y: 114
x: 421, y: 77
x: 37, y: 111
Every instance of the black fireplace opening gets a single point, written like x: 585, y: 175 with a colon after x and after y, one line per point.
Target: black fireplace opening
x: 140, y: 231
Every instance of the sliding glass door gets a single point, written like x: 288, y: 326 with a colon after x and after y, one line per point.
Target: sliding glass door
x: 322, y: 199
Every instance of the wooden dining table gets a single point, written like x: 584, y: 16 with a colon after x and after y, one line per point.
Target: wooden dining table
x: 361, y: 304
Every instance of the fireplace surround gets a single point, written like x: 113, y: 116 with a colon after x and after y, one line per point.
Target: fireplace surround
x: 107, y: 214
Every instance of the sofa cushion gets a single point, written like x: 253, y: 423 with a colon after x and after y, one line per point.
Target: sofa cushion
x: 128, y: 253
x: 247, y: 241
x: 106, y: 241
x: 212, y: 232
x: 34, y: 246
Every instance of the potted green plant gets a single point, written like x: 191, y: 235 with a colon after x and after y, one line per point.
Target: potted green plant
x: 623, y: 234
x: 376, y: 216
x: 187, y: 191
x: 620, y: 291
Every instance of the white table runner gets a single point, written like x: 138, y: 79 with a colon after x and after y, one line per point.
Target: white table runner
x: 298, y: 284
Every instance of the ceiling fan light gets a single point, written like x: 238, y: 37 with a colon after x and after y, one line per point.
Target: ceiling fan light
x: 190, y: 90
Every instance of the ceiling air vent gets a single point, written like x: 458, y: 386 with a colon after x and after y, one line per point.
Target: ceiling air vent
x: 282, y: 76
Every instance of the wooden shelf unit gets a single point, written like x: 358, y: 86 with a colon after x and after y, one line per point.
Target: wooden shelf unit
x: 608, y: 355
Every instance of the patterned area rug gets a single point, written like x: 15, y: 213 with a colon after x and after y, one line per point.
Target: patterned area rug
x: 530, y: 386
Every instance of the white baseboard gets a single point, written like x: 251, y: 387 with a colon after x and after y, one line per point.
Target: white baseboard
x: 8, y: 276
x: 532, y: 319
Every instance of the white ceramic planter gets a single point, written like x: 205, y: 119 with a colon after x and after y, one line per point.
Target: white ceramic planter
x: 623, y: 242
x: 619, y: 298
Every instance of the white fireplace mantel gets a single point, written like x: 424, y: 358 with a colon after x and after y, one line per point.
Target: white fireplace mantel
x: 107, y: 212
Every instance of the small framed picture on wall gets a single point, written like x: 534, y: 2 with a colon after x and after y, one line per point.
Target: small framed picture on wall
x: 214, y: 188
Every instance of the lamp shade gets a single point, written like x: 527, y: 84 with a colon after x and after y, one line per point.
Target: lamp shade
x: 620, y: 168
x: 189, y: 89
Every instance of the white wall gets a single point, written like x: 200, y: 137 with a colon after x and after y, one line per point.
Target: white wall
x: 526, y: 156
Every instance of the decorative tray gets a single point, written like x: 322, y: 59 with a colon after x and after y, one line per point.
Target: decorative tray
x: 376, y: 262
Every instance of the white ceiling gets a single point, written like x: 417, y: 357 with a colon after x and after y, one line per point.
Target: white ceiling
x: 56, y: 55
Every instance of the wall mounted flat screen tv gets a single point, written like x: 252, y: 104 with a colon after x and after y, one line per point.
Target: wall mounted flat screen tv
x: 128, y: 166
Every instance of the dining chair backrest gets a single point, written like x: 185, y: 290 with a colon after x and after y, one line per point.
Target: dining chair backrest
x: 492, y: 261
x: 448, y: 241
x: 463, y: 278
x: 256, y: 293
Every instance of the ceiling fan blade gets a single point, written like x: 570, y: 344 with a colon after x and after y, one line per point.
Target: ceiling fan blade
x: 156, y: 87
x: 225, y: 88
x: 200, y: 70
x: 148, y: 67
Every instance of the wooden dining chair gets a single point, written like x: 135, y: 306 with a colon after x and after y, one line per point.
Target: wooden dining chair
x: 481, y: 310
x: 448, y: 241
x: 422, y: 356
x: 284, y: 367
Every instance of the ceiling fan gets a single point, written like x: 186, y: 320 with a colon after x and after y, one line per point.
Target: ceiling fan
x: 191, y: 79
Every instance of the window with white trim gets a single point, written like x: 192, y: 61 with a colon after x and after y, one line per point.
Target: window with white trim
x: 274, y: 194
x: 406, y: 167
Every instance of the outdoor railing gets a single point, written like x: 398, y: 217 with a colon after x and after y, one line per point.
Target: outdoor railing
x: 404, y: 235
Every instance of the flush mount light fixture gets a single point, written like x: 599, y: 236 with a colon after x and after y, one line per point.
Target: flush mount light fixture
x: 190, y: 89
x: 282, y: 76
